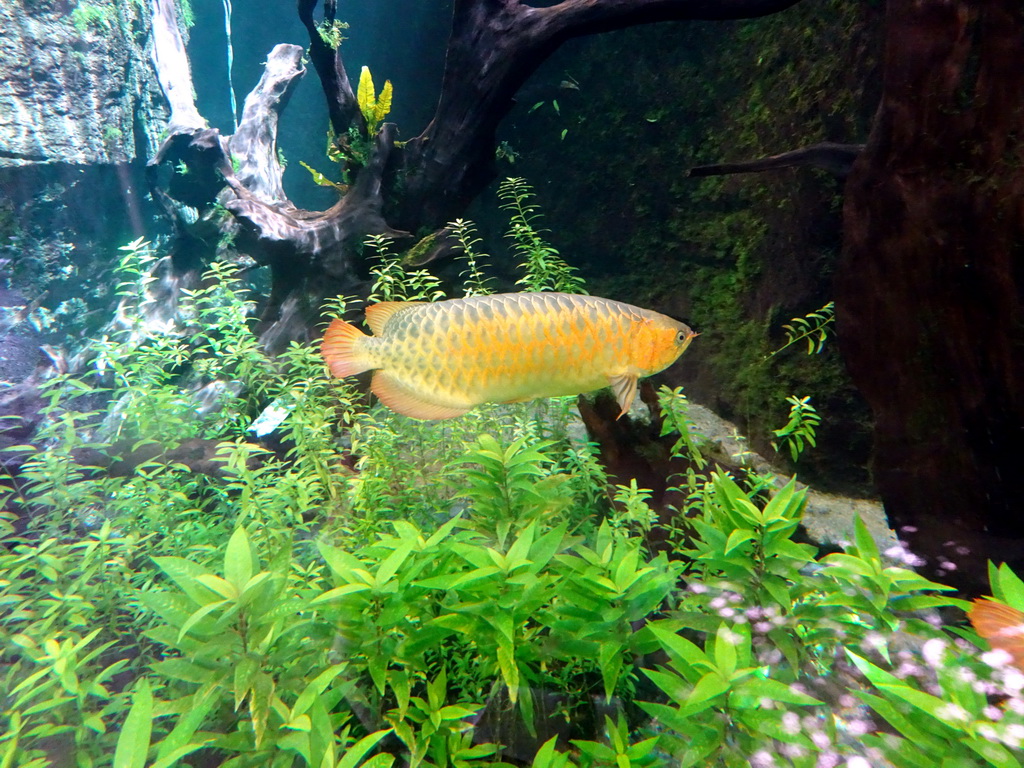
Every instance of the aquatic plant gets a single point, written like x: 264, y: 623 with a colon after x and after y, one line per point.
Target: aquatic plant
x: 88, y: 16
x: 375, y: 107
x: 332, y: 32
x: 393, y: 282
x: 801, y: 428
x: 813, y: 328
x: 475, y: 283
x: 344, y: 587
x: 544, y: 267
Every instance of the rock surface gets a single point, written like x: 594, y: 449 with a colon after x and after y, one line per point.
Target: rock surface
x: 828, y: 519
x: 76, y: 85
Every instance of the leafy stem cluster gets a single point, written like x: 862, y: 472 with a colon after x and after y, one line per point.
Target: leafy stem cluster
x: 331, y: 585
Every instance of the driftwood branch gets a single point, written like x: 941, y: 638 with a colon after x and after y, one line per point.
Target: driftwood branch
x: 172, y: 69
x: 323, y: 234
x: 342, y: 107
x: 836, y: 159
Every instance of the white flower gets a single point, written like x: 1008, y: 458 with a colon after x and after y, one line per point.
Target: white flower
x: 933, y: 651
x: 996, y: 658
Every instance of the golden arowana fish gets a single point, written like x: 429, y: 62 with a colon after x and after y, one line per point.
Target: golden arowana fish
x: 1001, y: 625
x: 438, y: 360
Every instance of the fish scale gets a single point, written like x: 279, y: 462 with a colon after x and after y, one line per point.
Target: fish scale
x: 437, y: 360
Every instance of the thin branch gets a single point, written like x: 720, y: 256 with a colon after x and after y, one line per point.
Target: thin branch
x: 342, y: 107
x: 571, y: 18
x: 833, y: 158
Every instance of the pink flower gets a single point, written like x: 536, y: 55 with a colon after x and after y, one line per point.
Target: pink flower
x: 993, y: 713
x: 820, y: 739
x: 791, y: 722
x: 858, y: 727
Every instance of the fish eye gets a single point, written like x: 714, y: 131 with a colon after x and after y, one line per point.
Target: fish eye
x: 681, y: 337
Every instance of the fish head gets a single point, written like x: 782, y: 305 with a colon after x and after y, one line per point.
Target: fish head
x: 658, y: 342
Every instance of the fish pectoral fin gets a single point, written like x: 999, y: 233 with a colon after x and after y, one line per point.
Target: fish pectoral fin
x: 624, y: 387
x: 401, y: 399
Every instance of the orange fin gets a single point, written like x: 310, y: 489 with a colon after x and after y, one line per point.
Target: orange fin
x: 624, y: 387
x: 377, y: 316
x: 400, y: 400
x: 341, y: 349
x: 1001, y: 625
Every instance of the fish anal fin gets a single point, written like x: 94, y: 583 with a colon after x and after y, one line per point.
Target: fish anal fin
x: 400, y: 400
x: 624, y: 386
x: 377, y: 315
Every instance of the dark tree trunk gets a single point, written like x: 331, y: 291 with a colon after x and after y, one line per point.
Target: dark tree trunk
x: 929, y: 294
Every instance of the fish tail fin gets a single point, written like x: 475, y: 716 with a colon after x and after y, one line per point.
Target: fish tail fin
x: 343, y: 350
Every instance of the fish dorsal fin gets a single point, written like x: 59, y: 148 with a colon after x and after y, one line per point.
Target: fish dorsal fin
x: 400, y: 400
x: 377, y: 315
x: 624, y: 387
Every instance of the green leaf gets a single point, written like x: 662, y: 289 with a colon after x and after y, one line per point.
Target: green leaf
x: 315, y: 687
x: 238, y: 561
x: 220, y: 586
x: 398, y: 681
x: 339, y: 592
x: 199, y: 706
x: 383, y: 105
x: 775, y: 690
x: 321, y: 180
x: 609, y: 658
x: 198, y: 616
x: 245, y: 670
x: 680, y: 646
x: 509, y: 670
x: 393, y: 562
x: 133, y: 743
x: 365, y: 97
x: 548, y: 756
x: 180, y: 752
x: 263, y: 687
x: 725, y: 651
x: 1011, y: 588
x: 707, y: 689
x: 185, y: 573
x: 866, y: 546
x: 994, y: 753
x: 354, y: 754
x: 738, y: 537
